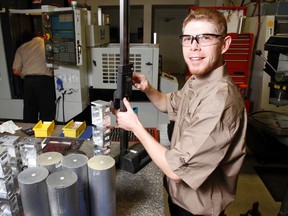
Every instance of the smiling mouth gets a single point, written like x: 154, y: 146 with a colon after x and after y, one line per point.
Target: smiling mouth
x: 195, y: 58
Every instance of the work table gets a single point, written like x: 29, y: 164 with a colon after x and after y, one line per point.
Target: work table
x: 136, y: 194
x: 140, y: 193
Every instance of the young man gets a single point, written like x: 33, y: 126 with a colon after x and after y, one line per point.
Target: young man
x: 207, y: 149
x: 39, y: 91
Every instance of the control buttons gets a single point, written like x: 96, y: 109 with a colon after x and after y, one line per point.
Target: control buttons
x: 48, y: 47
x: 47, y: 36
x: 46, y: 17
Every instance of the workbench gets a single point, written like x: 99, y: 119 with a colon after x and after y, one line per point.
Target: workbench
x: 141, y: 193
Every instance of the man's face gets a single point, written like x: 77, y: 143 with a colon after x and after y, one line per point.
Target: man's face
x: 203, y: 59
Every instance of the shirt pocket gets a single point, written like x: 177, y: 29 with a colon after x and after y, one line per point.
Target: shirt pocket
x: 189, y: 107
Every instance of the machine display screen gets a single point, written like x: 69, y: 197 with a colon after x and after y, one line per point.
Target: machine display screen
x: 281, y: 26
x: 63, y: 25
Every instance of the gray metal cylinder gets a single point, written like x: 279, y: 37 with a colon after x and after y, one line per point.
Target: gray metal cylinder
x: 50, y: 160
x: 63, y: 193
x: 78, y: 164
x: 33, y: 191
x: 102, y: 173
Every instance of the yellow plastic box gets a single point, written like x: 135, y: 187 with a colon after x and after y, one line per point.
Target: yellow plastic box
x: 74, y: 129
x: 44, y: 129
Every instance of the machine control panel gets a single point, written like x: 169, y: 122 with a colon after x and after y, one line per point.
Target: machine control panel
x: 62, y: 31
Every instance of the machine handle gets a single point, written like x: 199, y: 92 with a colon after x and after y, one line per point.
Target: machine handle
x: 259, y: 53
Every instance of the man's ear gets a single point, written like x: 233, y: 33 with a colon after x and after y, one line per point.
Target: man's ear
x: 226, y: 43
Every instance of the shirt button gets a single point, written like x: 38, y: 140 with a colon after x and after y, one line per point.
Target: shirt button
x: 182, y: 160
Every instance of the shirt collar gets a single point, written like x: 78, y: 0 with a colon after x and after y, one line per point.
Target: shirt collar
x: 210, y: 78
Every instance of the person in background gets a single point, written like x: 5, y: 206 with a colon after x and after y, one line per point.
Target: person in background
x: 207, y: 149
x: 39, y: 91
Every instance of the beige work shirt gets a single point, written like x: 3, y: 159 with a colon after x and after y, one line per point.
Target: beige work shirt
x: 30, y: 58
x: 208, y: 142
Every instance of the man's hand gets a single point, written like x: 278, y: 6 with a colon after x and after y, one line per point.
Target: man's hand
x: 17, y: 72
x: 140, y: 82
x: 127, y: 120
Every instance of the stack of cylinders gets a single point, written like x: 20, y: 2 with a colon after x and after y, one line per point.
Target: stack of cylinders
x: 78, y: 164
x: 33, y: 191
x: 102, y: 173
x: 63, y: 193
x: 50, y: 160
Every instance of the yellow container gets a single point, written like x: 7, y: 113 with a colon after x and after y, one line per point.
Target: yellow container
x: 74, y: 129
x: 44, y: 129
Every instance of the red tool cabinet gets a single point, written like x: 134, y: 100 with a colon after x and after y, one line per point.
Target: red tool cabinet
x: 238, y: 57
x: 238, y: 61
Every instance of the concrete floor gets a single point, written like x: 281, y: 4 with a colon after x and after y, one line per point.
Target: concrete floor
x: 251, y: 189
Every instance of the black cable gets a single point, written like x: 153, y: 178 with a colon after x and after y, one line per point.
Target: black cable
x: 57, y: 107
x: 63, y: 93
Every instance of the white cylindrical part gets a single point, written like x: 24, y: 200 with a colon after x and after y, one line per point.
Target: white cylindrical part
x: 50, y: 160
x: 154, y: 38
x: 63, y: 193
x: 78, y: 164
x: 73, y: 4
x: 33, y: 191
x: 100, y: 22
x: 102, y: 173
x: 241, y: 24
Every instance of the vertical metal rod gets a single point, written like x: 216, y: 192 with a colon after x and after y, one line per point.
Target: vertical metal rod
x: 124, y: 31
x: 124, y: 60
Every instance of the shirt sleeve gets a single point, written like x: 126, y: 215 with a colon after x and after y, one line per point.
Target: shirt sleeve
x: 204, y: 140
x: 17, y: 63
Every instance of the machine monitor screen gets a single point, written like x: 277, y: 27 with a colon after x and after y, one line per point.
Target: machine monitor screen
x: 62, y: 25
x: 281, y: 27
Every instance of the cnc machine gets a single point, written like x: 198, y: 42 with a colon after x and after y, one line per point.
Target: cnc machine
x: 267, y: 134
x: 65, y: 48
x: 270, y: 25
x: 267, y: 128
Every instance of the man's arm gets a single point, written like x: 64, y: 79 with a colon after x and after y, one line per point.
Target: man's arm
x: 158, y: 99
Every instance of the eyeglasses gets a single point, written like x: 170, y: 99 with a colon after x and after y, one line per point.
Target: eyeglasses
x: 201, y: 39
